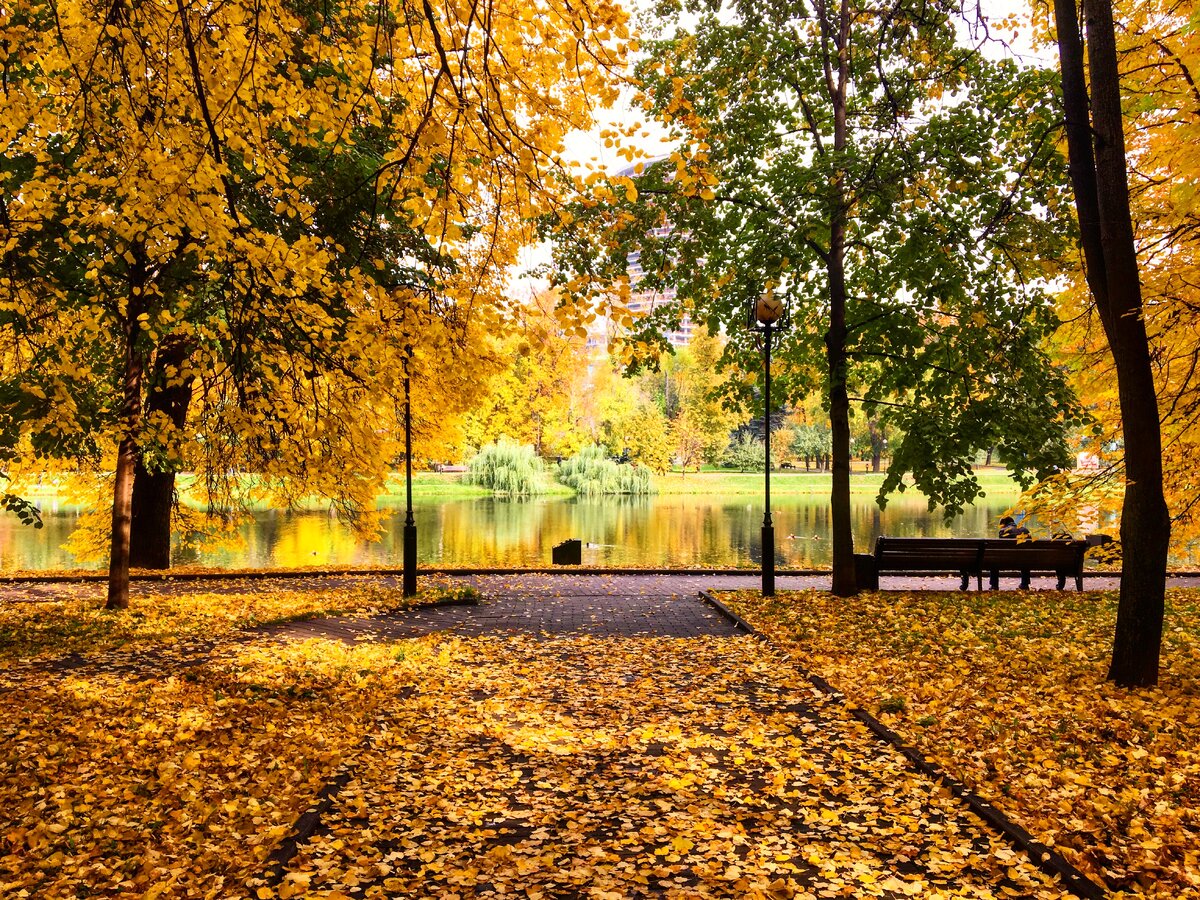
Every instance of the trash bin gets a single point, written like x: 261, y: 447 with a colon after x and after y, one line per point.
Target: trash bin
x: 568, y: 553
x: 865, y: 573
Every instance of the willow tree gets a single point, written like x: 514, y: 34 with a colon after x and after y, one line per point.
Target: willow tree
x: 896, y: 188
x: 271, y: 209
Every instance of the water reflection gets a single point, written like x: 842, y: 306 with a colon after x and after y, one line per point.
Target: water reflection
x: 672, y: 530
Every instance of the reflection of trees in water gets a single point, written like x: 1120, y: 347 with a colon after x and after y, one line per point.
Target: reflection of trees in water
x: 23, y: 547
x: 671, y: 530
x: 676, y: 530
x: 502, y: 532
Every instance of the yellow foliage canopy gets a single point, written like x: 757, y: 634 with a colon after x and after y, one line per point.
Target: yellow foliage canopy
x: 1160, y: 61
x: 279, y: 211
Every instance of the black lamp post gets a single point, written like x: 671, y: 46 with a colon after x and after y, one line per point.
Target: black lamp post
x: 766, y: 317
x: 410, y: 525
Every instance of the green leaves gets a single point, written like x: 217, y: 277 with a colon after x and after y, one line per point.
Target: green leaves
x: 944, y: 181
x: 23, y: 509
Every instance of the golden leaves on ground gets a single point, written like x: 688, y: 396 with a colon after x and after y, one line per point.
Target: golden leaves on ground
x: 179, y: 787
x: 1007, y: 692
x: 618, y: 768
x: 73, y: 620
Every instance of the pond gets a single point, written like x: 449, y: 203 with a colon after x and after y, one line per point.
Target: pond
x: 663, y: 530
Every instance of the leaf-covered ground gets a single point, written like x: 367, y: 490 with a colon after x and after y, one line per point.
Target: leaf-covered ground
x: 180, y: 786
x: 615, y: 768
x: 516, y: 766
x: 72, y: 618
x: 1007, y: 691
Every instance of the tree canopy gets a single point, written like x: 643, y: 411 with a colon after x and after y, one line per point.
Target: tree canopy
x: 898, y: 190
x: 275, y: 208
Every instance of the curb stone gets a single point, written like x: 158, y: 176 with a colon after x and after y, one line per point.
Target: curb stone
x: 1043, y: 857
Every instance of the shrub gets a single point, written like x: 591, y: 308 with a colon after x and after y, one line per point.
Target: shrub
x: 507, y: 468
x: 747, y: 453
x: 590, y: 473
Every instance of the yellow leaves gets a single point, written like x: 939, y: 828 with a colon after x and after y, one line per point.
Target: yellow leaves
x: 656, y: 808
x: 469, y: 176
x: 140, y: 784
x: 74, y: 621
x: 1009, y: 694
x: 293, y: 886
x: 624, y: 181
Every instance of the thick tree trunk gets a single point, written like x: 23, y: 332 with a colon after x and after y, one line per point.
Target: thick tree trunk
x: 131, y: 419
x: 150, y: 518
x: 1098, y: 172
x: 844, y: 581
x: 154, y: 491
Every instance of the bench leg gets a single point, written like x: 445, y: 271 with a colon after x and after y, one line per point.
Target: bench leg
x: 1079, y: 582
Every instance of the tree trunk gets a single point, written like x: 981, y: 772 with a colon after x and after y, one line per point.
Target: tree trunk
x: 154, y: 491
x: 150, y: 518
x: 1096, y: 149
x: 131, y: 420
x: 844, y: 581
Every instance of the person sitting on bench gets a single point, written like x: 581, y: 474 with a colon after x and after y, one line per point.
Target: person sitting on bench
x: 1010, y: 530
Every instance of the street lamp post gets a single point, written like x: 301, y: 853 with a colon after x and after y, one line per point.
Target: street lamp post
x: 410, y: 525
x: 766, y: 317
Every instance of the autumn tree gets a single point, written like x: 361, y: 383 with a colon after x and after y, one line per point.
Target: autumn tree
x: 708, y: 413
x: 647, y: 435
x: 1092, y: 99
x: 536, y: 397
x: 899, y: 192
x: 270, y: 210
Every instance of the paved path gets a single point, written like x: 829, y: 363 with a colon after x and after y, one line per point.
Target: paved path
x: 550, y: 605
x: 615, y: 737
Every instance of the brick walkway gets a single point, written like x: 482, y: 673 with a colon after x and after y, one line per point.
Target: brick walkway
x: 548, y: 605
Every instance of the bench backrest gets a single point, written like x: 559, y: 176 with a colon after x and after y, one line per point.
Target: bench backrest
x: 928, y: 554
x: 1050, y: 554
x: 975, y: 554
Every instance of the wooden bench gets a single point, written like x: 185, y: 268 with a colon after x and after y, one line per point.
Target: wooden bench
x: 972, y: 556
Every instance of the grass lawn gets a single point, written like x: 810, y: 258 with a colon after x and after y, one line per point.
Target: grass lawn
x: 1007, y: 692
x: 995, y: 481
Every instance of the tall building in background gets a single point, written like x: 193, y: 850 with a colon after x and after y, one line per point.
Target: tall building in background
x: 643, y: 302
